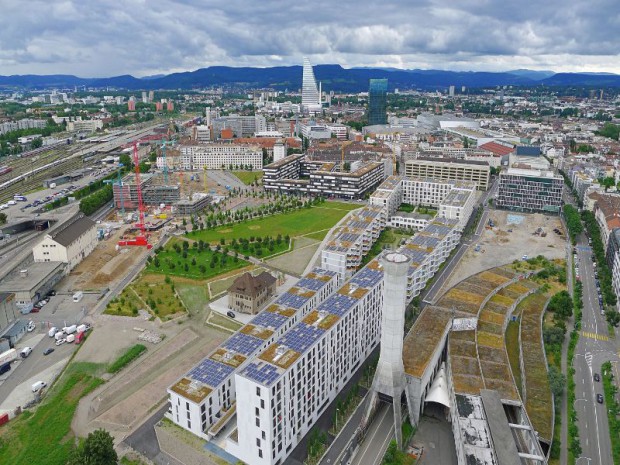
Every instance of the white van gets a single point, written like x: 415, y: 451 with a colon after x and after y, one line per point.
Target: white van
x: 78, y: 296
x: 25, y: 352
x: 36, y: 387
x: 52, y: 332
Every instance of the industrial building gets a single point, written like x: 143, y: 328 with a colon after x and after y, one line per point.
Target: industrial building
x: 530, y: 191
x: 29, y: 285
x: 70, y: 244
x: 446, y: 169
x: 8, y: 310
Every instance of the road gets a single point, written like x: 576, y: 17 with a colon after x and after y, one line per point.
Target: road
x: 379, y: 435
x: 593, y: 349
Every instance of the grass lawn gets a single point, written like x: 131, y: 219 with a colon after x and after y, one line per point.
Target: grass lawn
x: 43, y: 436
x: 248, y: 177
x: 224, y: 322
x: 194, y: 296
x: 512, y: 347
x: 149, y: 292
x: 129, y: 356
x: 296, y: 223
x: 387, y: 239
x: 196, y: 265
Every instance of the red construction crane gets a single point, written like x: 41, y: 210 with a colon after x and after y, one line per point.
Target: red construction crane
x: 142, y: 238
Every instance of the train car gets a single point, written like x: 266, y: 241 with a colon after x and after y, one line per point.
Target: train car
x: 5, y: 170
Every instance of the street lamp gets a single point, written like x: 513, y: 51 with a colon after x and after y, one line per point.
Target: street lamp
x: 337, y: 411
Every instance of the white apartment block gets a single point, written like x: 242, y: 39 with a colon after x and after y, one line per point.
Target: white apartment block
x: 202, y: 133
x: 71, y: 244
x: 446, y: 169
x: 204, y: 400
x: 352, y: 242
x: 220, y: 156
x: 25, y: 123
x: 284, y: 390
x: 339, y: 130
x: 458, y: 205
x: 389, y: 195
x: 88, y: 125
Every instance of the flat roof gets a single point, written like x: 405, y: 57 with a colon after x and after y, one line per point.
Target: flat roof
x: 453, y: 161
x: 37, y: 273
x: 501, y: 435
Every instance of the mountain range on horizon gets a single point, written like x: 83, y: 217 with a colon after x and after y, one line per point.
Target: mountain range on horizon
x: 332, y: 77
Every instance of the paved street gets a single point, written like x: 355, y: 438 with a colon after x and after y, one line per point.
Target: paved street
x: 594, y: 348
x: 377, y: 439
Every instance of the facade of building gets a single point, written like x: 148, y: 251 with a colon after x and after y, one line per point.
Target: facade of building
x: 204, y: 400
x: 8, y: 310
x: 29, y: 285
x: 442, y: 169
x: 88, y: 125
x: 613, y: 261
x: 321, y: 179
x: 220, y: 156
x: 607, y: 214
x: 70, y: 245
x: 377, y: 101
x: 241, y: 126
x: 529, y: 191
x: 289, y: 385
x: 310, y: 95
x: 249, y: 293
x: 353, y: 240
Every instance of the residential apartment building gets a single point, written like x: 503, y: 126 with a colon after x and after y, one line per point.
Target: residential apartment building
x: 241, y: 126
x: 445, y: 169
x: 613, y: 261
x: 70, y: 245
x: 607, y: 213
x: 389, y: 195
x: 219, y: 156
x: 353, y: 240
x: 530, y: 191
x: 25, y: 123
x: 288, y: 386
x: 204, y: 400
x: 88, y: 125
x: 321, y: 179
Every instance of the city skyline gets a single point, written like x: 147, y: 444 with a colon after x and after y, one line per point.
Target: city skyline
x: 91, y: 38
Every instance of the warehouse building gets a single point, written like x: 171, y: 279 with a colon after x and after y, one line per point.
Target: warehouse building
x: 527, y: 190
x: 30, y: 284
x: 71, y: 244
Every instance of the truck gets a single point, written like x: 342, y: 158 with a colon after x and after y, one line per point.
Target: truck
x: 70, y: 338
x: 4, y: 367
x: 79, y: 337
x: 70, y: 329
x: 59, y: 335
x: 8, y: 356
x: 52, y: 332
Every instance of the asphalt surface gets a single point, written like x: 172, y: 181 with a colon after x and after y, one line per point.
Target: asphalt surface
x: 593, y: 349
x: 377, y: 439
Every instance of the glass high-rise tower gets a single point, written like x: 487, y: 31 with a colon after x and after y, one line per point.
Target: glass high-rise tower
x: 310, y: 95
x: 377, y: 101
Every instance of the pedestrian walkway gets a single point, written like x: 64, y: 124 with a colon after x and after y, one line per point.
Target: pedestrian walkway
x: 598, y: 337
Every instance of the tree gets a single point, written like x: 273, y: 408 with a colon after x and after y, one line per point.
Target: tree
x: 2, y: 218
x: 557, y: 381
x: 97, y: 449
x: 125, y: 159
x: 607, y: 182
x: 613, y: 317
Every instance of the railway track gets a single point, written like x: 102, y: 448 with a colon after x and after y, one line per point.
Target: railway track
x: 36, y: 180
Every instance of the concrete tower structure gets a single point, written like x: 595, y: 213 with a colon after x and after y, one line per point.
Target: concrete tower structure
x: 310, y: 96
x: 389, y: 378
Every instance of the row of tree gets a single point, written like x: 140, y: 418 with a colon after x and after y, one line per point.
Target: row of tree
x: 93, y: 202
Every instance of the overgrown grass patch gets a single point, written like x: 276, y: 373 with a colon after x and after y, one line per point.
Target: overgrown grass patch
x: 129, y: 356
x: 248, y: 177
x: 44, y: 436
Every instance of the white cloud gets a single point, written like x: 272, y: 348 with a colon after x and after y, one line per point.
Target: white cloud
x: 107, y: 37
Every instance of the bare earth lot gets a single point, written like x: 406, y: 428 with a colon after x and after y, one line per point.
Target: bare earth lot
x: 499, y: 247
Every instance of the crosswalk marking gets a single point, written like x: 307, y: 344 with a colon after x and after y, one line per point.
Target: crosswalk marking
x: 598, y: 337
x: 588, y: 358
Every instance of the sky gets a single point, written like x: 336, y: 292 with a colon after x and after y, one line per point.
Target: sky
x: 101, y: 38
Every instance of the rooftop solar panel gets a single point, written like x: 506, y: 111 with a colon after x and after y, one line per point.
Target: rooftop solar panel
x: 210, y: 372
x: 337, y: 304
x: 312, y: 284
x: 292, y: 300
x: 263, y: 373
x: 367, y: 277
x: 301, y: 337
x: 269, y: 320
x: 243, y: 343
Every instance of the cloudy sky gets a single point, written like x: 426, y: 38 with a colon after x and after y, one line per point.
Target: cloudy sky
x: 143, y: 37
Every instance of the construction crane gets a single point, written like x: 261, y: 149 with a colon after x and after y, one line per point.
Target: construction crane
x: 119, y: 180
x: 141, y: 239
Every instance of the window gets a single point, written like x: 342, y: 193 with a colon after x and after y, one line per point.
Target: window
x: 258, y: 422
x: 262, y: 404
x: 258, y: 442
x: 260, y: 453
x: 258, y: 391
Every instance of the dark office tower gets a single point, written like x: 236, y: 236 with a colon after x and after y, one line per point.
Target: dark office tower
x: 377, y: 101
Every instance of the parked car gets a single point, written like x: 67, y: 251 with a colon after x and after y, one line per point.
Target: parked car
x: 25, y: 352
x: 599, y: 398
x: 231, y: 314
x: 60, y: 342
x: 597, y: 377
x: 36, y: 387
x: 48, y: 351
